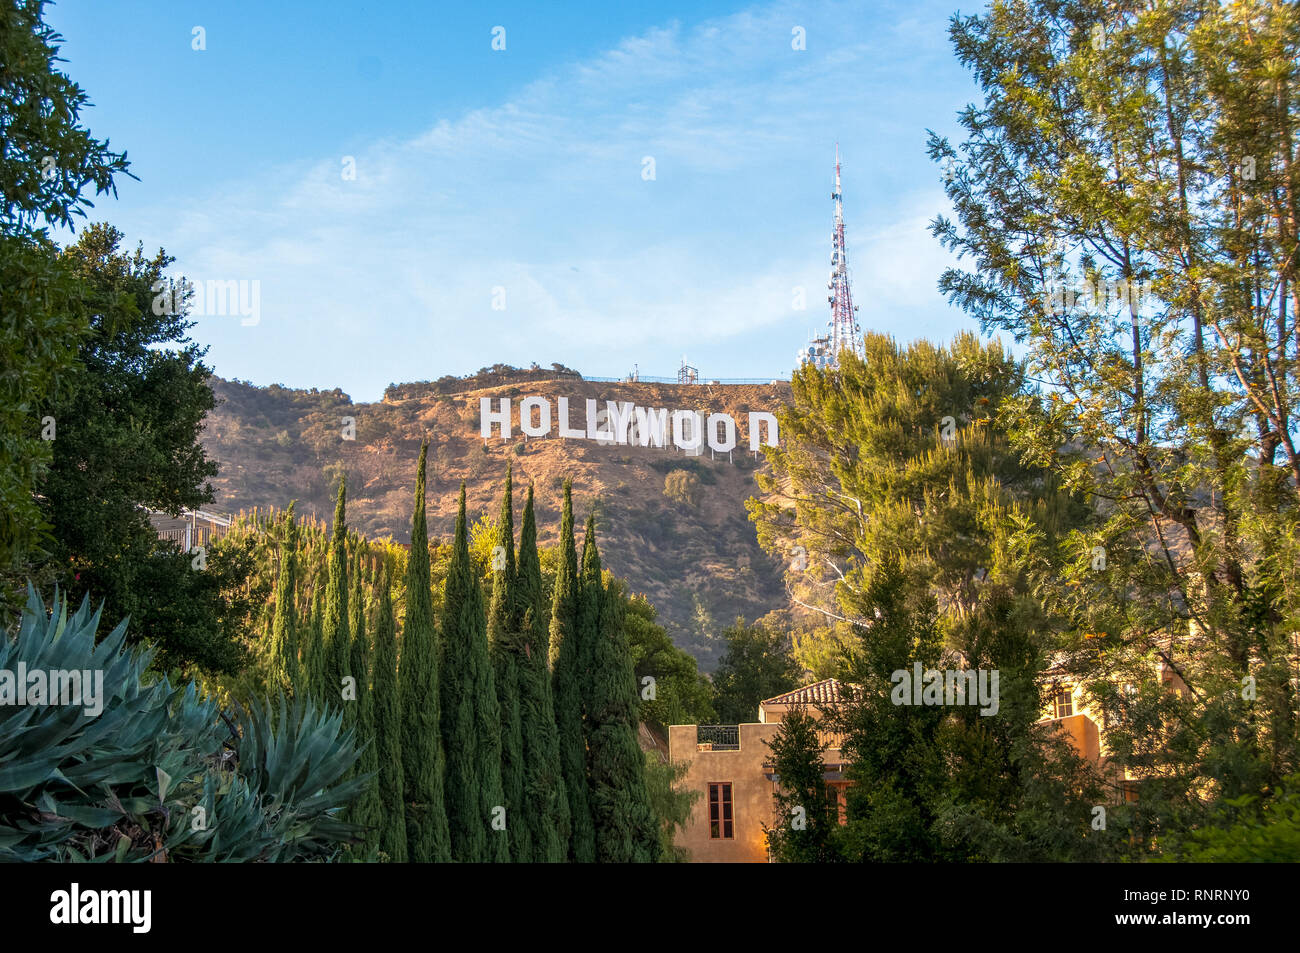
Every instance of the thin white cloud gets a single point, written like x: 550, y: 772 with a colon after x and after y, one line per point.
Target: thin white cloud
x: 390, y: 276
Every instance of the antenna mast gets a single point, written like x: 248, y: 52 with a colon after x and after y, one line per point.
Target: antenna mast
x: 844, y: 323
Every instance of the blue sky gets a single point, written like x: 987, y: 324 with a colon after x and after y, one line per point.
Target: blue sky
x: 524, y: 170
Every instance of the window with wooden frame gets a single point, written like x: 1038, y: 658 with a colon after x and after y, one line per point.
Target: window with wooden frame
x: 1063, y: 702
x: 721, y: 820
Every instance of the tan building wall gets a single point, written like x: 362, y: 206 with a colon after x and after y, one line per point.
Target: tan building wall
x: 748, y: 769
x: 752, y: 804
x: 1083, y: 725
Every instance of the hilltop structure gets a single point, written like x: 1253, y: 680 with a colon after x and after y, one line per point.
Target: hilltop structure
x: 845, y: 334
x: 733, y: 768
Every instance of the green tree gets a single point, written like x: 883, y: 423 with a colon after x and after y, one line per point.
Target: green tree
x: 41, y: 326
x: 545, y: 796
x: 567, y: 660
x: 49, y: 159
x: 681, y: 694
x: 128, y: 427
x: 504, y: 636
x: 388, y: 725
x: 626, y: 828
x: 671, y: 802
x: 1129, y: 207
x: 423, y: 761
x: 756, y: 665
x: 1248, y: 829
x: 313, y: 648
x: 284, y: 630
x: 366, y: 810
x: 48, y: 163
x: 807, y: 820
x: 962, y: 782
x: 337, y: 645
x: 898, y: 453
x: 471, y: 719
x: 683, y: 487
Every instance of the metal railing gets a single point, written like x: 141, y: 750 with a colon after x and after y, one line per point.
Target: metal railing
x: 647, y: 379
x: 192, y: 528
x: 722, y: 737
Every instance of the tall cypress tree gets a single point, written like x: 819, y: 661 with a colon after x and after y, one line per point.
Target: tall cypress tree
x: 567, y: 657
x: 625, y: 824
x: 504, y: 620
x: 545, y: 798
x: 284, y: 628
x: 590, y: 589
x: 313, y: 648
x: 388, y: 725
x: 366, y: 809
x: 338, y: 642
x: 427, y: 837
x: 471, y: 719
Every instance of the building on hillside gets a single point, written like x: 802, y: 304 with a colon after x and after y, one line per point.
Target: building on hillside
x: 1070, y: 708
x: 192, y: 528
x: 732, y: 768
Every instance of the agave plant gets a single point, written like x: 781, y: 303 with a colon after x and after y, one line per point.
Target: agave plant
x: 159, y: 773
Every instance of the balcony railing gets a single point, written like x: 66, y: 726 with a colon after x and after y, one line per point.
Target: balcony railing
x: 721, y: 737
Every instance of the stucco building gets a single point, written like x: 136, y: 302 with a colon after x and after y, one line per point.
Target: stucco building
x: 731, y: 766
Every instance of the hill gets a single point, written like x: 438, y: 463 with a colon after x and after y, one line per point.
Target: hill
x: 695, y: 556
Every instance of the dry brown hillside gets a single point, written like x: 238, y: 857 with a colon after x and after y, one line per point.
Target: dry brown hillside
x: 699, y: 562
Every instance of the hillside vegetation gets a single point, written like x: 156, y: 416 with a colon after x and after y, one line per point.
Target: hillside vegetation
x: 693, y: 553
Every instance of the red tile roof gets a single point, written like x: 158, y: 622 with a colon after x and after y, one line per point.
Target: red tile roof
x: 830, y: 691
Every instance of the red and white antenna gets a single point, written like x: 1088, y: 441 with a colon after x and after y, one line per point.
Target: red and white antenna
x: 843, y: 324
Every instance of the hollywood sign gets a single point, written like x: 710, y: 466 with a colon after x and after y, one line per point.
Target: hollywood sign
x: 621, y: 422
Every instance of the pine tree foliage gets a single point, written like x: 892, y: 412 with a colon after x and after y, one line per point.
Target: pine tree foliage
x: 504, y: 636
x: 388, y: 725
x: 626, y: 829
x: 366, y: 811
x: 567, y: 658
x: 314, y: 647
x: 471, y: 719
x: 284, y: 632
x: 545, y: 794
x: 1125, y: 196
x: 337, y: 640
x: 806, y: 820
x: 423, y: 762
x: 939, y: 783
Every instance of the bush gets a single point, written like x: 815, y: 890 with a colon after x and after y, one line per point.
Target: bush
x: 158, y: 773
x: 706, y: 473
x: 1247, y: 829
x: 682, y: 486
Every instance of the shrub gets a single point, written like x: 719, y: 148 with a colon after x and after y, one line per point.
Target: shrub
x: 682, y: 486
x: 159, y: 773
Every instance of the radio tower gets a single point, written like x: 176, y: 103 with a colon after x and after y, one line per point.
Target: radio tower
x: 844, y: 320
x: 824, y: 351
